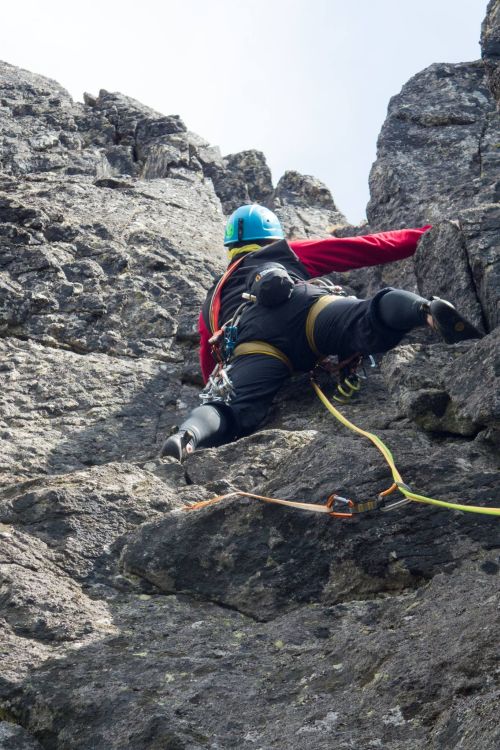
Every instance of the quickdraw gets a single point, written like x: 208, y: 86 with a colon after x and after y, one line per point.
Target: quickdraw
x: 219, y: 387
x: 346, y: 373
x: 335, y: 506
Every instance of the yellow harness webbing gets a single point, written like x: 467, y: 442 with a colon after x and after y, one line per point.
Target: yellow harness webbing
x: 262, y: 347
x: 313, y: 313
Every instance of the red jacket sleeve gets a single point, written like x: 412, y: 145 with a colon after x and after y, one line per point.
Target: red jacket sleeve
x: 344, y: 253
x: 207, y: 362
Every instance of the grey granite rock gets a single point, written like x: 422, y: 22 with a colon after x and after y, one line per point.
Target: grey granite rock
x: 396, y: 672
x: 460, y: 261
x: 13, y: 737
x: 109, y: 268
x: 38, y: 601
x: 62, y: 411
x: 490, y: 46
x: 306, y: 206
x: 442, y: 249
x: 38, y: 129
x: 252, y: 168
x: 437, y: 152
x: 481, y: 231
x: 449, y: 389
x: 83, y: 516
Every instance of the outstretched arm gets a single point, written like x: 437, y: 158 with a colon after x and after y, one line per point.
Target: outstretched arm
x: 344, y: 253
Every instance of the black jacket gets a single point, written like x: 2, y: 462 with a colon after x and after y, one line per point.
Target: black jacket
x: 282, y: 326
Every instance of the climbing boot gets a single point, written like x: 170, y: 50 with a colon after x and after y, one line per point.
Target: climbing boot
x: 179, y: 446
x: 448, y: 322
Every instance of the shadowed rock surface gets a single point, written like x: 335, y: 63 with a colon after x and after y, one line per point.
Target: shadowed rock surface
x: 13, y: 737
x: 128, y: 622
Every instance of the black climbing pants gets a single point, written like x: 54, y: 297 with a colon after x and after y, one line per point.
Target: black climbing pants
x: 345, y: 327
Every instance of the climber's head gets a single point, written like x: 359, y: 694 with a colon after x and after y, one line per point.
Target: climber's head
x: 251, y: 223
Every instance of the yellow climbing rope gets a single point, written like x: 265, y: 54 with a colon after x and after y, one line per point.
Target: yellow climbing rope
x: 398, y: 480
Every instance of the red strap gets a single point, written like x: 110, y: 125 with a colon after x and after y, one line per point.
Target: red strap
x: 213, y: 314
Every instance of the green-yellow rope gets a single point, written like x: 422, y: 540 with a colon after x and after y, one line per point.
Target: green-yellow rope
x: 390, y: 460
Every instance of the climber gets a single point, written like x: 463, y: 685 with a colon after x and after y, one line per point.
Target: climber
x: 278, y: 321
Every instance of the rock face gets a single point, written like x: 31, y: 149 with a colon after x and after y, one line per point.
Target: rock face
x: 305, y: 206
x: 15, y: 738
x: 470, y: 248
x: 438, y: 151
x: 101, y: 271
x: 490, y: 45
x: 128, y: 620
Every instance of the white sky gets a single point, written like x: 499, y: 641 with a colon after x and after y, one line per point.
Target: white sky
x: 305, y: 81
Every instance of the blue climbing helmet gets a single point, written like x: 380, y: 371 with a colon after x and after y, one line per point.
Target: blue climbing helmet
x: 252, y: 222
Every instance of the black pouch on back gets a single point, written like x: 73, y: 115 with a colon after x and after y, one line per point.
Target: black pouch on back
x: 270, y: 284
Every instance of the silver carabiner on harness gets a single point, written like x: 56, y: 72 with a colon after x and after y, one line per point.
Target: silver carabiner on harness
x: 219, y: 387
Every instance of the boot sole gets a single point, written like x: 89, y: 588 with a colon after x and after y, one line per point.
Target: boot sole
x: 452, y: 326
x: 172, y: 449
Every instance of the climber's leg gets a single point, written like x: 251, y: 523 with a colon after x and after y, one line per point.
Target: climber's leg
x: 377, y: 325
x: 349, y: 326
x: 403, y: 310
x: 207, y: 425
x: 255, y: 379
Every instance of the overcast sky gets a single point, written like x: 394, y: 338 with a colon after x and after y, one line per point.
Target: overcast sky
x: 305, y: 81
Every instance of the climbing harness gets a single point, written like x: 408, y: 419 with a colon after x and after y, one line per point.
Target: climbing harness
x: 272, y: 285
x: 312, y: 315
x: 262, y: 347
x: 337, y: 506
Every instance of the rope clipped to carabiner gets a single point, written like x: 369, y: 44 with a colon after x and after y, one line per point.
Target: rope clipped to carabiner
x: 399, y: 484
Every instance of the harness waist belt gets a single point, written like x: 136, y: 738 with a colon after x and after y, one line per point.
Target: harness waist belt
x: 313, y: 313
x: 262, y: 347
